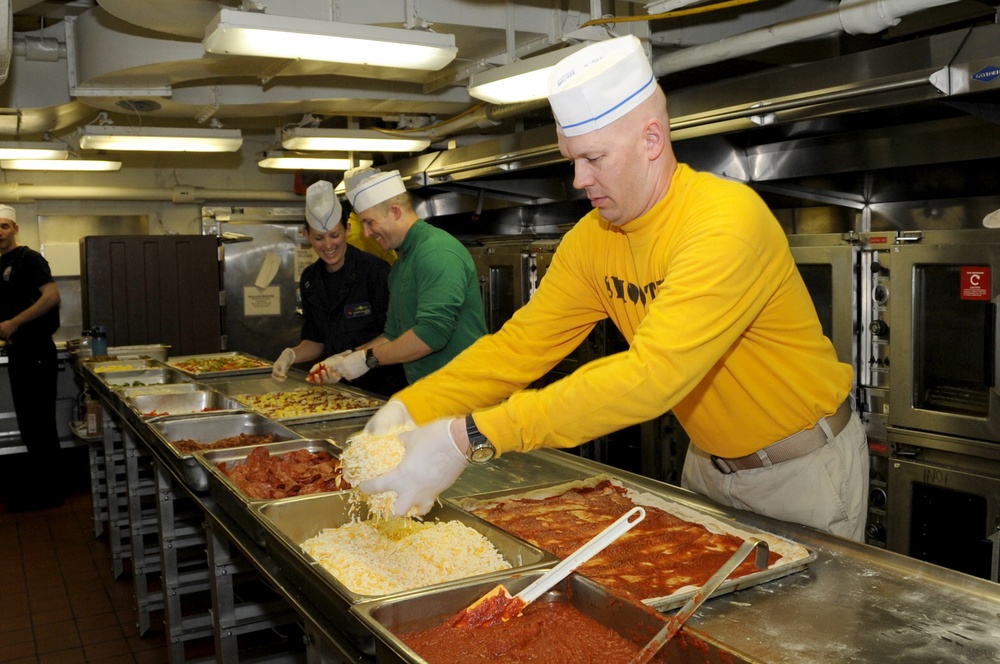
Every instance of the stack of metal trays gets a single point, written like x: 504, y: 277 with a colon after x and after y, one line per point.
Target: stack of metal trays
x: 207, y: 429
x: 231, y: 498
x: 390, y: 618
x: 289, y: 523
x: 185, y: 402
x: 280, y: 390
x: 220, y: 365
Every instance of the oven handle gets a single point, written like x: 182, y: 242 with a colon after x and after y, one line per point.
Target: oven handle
x: 995, y: 558
x: 989, y: 364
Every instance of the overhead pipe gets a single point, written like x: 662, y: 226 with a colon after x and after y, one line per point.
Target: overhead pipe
x: 854, y: 17
x: 482, y: 117
x: 15, y: 192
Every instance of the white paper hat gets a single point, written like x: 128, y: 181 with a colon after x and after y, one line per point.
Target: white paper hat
x: 7, y: 212
x: 323, y: 209
x: 375, y: 189
x: 356, y: 175
x: 598, y: 84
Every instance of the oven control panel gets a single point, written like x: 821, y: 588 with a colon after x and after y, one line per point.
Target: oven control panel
x: 874, y: 367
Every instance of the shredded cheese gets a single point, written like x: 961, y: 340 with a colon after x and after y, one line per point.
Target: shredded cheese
x: 369, y: 456
x: 372, y: 558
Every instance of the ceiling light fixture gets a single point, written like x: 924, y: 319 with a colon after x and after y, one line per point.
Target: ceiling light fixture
x: 59, y: 165
x: 356, y: 140
x: 520, y: 81
x: 159, y: 139
x: 257, y: 34
x: 308, y: 162
x: 38, y: 150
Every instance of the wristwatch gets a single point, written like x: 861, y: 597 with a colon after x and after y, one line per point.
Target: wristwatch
x: 481, y: 449
x: 370, y: 360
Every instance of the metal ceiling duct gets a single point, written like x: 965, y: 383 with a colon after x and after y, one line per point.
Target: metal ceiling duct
x: 952, y: 67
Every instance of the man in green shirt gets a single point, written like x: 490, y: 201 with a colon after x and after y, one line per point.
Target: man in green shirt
x: 435, y: 305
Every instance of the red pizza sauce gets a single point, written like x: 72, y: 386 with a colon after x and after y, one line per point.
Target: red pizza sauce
x: 551, y: 632
x: 660, y: 555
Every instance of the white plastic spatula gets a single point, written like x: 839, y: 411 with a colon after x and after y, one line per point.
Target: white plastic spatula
x: 499, y: 606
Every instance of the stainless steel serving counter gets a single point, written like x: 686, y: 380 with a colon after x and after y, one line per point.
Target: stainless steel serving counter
x: 853, y: 603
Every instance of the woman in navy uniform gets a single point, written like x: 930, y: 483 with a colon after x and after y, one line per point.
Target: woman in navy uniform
x: 345, y: 295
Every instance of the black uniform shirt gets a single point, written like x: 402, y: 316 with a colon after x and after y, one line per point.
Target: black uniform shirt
x: 23, y: 271
x: 346, y: 308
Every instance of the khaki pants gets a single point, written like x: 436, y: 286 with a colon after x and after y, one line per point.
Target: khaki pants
x: 826, y: 489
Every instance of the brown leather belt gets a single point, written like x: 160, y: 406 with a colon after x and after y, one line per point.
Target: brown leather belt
x: 794, y: 446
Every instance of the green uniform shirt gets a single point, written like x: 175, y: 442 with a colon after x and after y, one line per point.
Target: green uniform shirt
x: 434, y: 290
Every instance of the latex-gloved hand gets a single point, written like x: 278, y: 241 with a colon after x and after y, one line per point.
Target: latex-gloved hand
x: 431, y: 464
x: 353, y: 365
x: 284, y: 362
x: 390, y: 416
x: 326, y: 371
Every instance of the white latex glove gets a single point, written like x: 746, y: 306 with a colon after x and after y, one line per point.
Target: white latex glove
x: 326, y: 371
x: 352, y: 365
x: 392, y: 415
x: 284, y: 362
x: 431, y: 464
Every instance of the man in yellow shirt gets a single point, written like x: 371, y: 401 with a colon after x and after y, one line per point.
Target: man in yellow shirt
x: 697, y: 274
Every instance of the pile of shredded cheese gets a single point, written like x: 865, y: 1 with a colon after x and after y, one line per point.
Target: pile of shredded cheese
x: 372, y: 558
x: 369, y: 456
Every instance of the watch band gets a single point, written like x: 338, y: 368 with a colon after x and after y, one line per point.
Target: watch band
x: 480, y: 448
x: 370, y: 360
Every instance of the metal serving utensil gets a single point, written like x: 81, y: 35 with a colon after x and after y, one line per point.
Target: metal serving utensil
x: 499, y: 606
x: 677, y: 620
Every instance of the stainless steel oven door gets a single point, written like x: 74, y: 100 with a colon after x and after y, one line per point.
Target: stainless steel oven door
x: 830, y: 273
x: 944, y: 502
x: 943, y: 326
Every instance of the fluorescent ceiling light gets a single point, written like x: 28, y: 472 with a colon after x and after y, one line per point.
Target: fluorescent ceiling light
x: 307, y: 162
x: 257, y: 34
x: 356, y: 140
x: 524, y: 80
x: 59, y: 165
x: 159, y: 139
x: 32, y: 151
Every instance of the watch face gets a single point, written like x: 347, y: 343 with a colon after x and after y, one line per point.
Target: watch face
x: 482, y: 453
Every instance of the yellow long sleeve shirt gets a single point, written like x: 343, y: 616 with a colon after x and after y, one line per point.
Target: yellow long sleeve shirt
x: 720, y: 326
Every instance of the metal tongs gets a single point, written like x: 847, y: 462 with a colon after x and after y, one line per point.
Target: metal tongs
x: 677, y: 620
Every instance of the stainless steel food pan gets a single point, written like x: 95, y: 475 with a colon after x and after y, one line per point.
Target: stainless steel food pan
x: 208, y: 428
x: 231, y: 498
x: 157, y: 352
x: 143, y: 377
x: 203, y: 400
x: 647, y: 494
x: 391, y: 617
x: 289, y: 523
x: 166, y: 388
x: 268, y: 385
x: 117, y: 366
x: 266, y: 368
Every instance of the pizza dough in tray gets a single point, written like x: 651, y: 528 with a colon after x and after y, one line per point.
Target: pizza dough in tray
x: 794, y: 557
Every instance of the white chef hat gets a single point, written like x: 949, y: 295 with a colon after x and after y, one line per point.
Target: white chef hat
x: 356, y: 175
x: 323, y: 210
x: 7, y: 212
x: 598, y: 84
x: 375, y: 189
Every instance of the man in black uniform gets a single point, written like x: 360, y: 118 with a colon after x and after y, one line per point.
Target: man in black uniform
x: 29, y: 316
x: 345, y: 295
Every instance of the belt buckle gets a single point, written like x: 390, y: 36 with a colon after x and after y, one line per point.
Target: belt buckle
x: 720, y: 464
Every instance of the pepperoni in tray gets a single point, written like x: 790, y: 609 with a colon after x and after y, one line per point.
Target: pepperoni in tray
x: 264, y: 476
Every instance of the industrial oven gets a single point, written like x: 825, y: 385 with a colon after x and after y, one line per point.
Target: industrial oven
x: 929, y: 366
